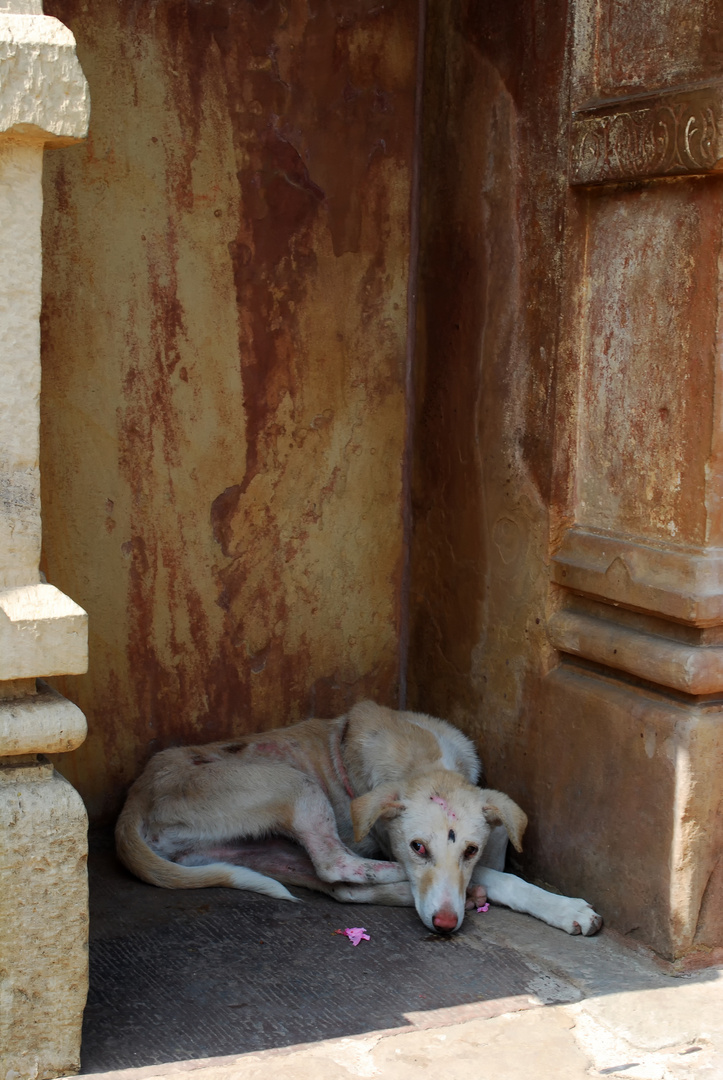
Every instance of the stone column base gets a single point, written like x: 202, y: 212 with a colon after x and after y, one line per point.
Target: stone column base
x: 629, y: 781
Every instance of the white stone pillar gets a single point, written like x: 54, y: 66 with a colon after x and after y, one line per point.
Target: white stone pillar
x: 43, y: 825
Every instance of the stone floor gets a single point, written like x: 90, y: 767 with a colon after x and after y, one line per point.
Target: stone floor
x: 233, y: 985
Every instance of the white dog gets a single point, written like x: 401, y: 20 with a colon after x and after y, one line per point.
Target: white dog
x: 316, y: 804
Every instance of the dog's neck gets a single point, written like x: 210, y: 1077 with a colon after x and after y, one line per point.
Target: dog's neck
x: 366, y: 754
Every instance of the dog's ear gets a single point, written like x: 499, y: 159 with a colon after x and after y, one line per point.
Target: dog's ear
x: 499, y: 809
x: 381, y: 802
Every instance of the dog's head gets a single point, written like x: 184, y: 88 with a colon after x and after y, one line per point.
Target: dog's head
x: 436, y: 826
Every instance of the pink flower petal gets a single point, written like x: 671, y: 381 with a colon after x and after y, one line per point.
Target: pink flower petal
x: 355, y: 934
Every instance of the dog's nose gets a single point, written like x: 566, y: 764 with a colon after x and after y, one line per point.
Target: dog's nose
x: 445, y: 920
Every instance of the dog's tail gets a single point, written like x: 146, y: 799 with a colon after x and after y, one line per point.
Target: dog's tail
x: 135, y: 853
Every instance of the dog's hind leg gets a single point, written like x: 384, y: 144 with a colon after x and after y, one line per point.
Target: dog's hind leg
x: 274, y: 857
x: 314, y: 826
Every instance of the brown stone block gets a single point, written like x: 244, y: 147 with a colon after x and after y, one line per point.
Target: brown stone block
x: 624, y: 796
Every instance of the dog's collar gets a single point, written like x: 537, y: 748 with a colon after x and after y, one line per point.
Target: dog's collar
x: 338, y: 759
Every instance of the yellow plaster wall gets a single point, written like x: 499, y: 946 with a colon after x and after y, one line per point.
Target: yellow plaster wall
x: 224, y: 353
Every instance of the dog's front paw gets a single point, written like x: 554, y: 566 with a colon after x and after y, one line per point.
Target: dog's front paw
x: 579, y: 918
x: 476, y: 897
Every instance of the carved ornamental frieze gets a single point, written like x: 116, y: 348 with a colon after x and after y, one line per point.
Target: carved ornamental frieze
x: 676, y: 132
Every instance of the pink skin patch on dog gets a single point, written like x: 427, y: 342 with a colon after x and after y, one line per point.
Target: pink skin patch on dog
x: 355, y: 934
x: 443, y: 803
x: 270, y: 749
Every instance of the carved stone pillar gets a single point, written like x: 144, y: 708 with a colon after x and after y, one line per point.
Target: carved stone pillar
x: 638, y: 560
x: 43, y: 826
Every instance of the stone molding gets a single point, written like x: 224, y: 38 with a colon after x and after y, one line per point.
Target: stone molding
x: 676, y: 641
x: 684, y: 584
x: 688, y: 668
x: 44, y: 92
x: 676, y: 132
x: 42, y: 632
x: 45, y: 722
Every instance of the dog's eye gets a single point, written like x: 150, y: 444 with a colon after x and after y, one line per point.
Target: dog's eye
x: 470, y: 851
x: 418, y: 847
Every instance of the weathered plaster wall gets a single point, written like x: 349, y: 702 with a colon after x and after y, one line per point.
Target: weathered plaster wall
x: 224, y: 362
x: 633, y: 45
x: 493, y: 181
x: 648, y: 342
